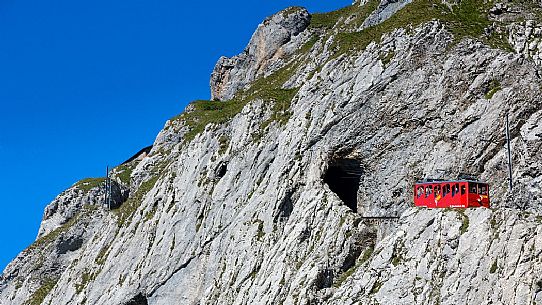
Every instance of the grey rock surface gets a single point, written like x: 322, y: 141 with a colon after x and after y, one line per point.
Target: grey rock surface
x: 432, y: 259
x: 255, y: 210
x: 66, y: 206
x: 274, y: 40
x: 385, y: 10
x: 525, y: 38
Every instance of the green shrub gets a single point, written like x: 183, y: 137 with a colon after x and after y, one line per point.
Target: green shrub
x: 386, y: 58
x: 376, y: 287
x: 494, y: 87
x: 268, y: 89
x: 261, y: 233
x: 150, y: 214
x: 330, y: 20
x: 89, y: 183
x: 396, y: 260
x: 223, y: 143
x: 86, y: 278
x: 465, y: 222
x: 39, y: 295
x: 209, y: 112
x: 493, y: 267
x: 126, y: 211
x: 102, y: 255
x: 364, y: 258
x: 290, y: 10
x: 367, y: 254
x: 466, y: 19
x: 124, y: 172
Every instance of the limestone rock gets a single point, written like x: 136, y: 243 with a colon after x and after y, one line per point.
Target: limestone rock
x: 70, y: 202
x: 273, y: 204
x: 267, y: 45
x: 385, y: 10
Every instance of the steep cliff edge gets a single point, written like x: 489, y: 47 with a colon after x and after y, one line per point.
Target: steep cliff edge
x: 249, y: 199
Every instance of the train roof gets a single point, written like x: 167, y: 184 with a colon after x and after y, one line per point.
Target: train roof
x: 434, y: 181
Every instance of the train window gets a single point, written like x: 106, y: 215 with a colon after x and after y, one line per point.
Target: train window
x: 455, y: 189
x: 420, y: 191
x: 463, y: 190
x: 445, y: 190
x: 437, y: 190
x: 428, y: 191
x: 473, y: 189
x: 483, y: 189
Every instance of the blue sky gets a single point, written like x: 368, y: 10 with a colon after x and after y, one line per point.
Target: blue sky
x: 88, y: 83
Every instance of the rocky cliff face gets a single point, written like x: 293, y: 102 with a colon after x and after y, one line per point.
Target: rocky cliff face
x: 274, y: 40
x: 266, y: 195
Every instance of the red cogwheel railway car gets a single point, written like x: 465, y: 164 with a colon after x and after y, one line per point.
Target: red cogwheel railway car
x: 451, y: 194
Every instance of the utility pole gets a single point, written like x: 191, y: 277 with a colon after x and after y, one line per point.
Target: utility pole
x: 106, y: 185
x: 107, y: 201
x: 510, y: 182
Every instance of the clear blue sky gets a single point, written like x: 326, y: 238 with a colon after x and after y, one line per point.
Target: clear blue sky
x: 88, y: 83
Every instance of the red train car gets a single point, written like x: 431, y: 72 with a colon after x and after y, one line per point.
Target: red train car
x: 451, y: 194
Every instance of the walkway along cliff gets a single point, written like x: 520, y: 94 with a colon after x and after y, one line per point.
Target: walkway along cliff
x: 271, y: 193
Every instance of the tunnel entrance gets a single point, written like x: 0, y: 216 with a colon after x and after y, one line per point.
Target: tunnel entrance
x: 139, y: 299
x: 343, y: 177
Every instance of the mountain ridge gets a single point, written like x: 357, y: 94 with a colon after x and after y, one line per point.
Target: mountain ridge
x: 234, y: 205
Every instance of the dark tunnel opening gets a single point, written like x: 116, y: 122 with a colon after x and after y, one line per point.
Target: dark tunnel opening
x: 342, y: 177
x: 139, y: 299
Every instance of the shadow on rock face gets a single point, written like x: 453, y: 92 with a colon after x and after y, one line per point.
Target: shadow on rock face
x: 221, y: 170
x: 285, y: 208
x: 118, y: 195
x: 139, y: 299
x: 69, y: 244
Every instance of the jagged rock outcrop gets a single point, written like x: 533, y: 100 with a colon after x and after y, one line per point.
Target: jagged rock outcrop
x: 68, y: 204
x: 249, y: 201
x: 277, y: 37
x: 385, y: 10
